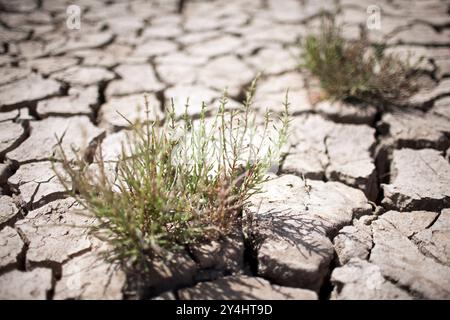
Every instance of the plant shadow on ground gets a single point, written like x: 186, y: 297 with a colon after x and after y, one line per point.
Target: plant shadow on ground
x: 238, y: 288
x: 295, y: 233
x: 294, y: 228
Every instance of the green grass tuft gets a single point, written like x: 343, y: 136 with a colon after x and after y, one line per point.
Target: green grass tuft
x: 356, y: 70
x: 179, y: 181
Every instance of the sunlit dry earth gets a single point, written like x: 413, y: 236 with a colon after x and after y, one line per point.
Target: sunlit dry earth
x: 361, y: 205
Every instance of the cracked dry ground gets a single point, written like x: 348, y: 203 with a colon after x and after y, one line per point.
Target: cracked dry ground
x: 371, y: 220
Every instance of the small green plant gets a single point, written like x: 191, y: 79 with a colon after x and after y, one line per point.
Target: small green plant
x: 355, y: 69
x: 178, y: 181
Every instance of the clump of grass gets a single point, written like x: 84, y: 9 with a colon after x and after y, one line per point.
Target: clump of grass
x: 179, y: 181
x: 356, y: 70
